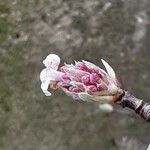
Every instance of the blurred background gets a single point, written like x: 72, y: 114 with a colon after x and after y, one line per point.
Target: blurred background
x: 115, y: 30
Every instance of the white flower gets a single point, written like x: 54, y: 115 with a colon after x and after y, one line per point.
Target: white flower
x: 50, y: 73
x: 52, y: 61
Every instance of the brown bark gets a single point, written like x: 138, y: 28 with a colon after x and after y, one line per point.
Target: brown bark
x: 141, y: 107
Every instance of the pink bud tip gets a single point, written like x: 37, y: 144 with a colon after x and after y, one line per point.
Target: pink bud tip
x: 101, y: 87
x: 86, y: 79
x: 65, y: 77
x: 81, y: 66
x: 74, y: 89
x: 91, y: 88
x: 94, y: 77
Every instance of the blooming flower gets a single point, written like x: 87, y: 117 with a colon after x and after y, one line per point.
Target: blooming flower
x: 81, y: 80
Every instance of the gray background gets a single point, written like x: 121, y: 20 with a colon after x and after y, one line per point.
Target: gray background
x: 116, y: 30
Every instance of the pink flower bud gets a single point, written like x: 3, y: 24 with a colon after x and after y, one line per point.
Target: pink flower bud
x: 94, y: 78
x: 82, y: 80
x: 74, y: 89
x: 65, y: 77
x: 91, y: 88
x: 81, y: 66
x: 102, y: 87
x: 86, y: 79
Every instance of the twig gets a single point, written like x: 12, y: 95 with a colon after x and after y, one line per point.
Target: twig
x: 141, y: 107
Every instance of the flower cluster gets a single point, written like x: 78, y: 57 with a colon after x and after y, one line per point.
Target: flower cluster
x: 81, y: 80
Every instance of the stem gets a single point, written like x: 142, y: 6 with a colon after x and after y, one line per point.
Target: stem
x: 139, y: 106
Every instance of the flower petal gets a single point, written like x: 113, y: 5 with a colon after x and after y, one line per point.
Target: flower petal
x: 43, y: 75
x: 92, y: 67
x: 85, y: 96
x: 44, y: 87
x: 112, y: 89
x: 101, y: 99
x: 52, y: 61
x: 109, y: 69
x: 69, y: 65
x: 110, y: 72
x: 54, y: 75
x: 72, y: 94
x: 102, y: 93
x: 74, y: 74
